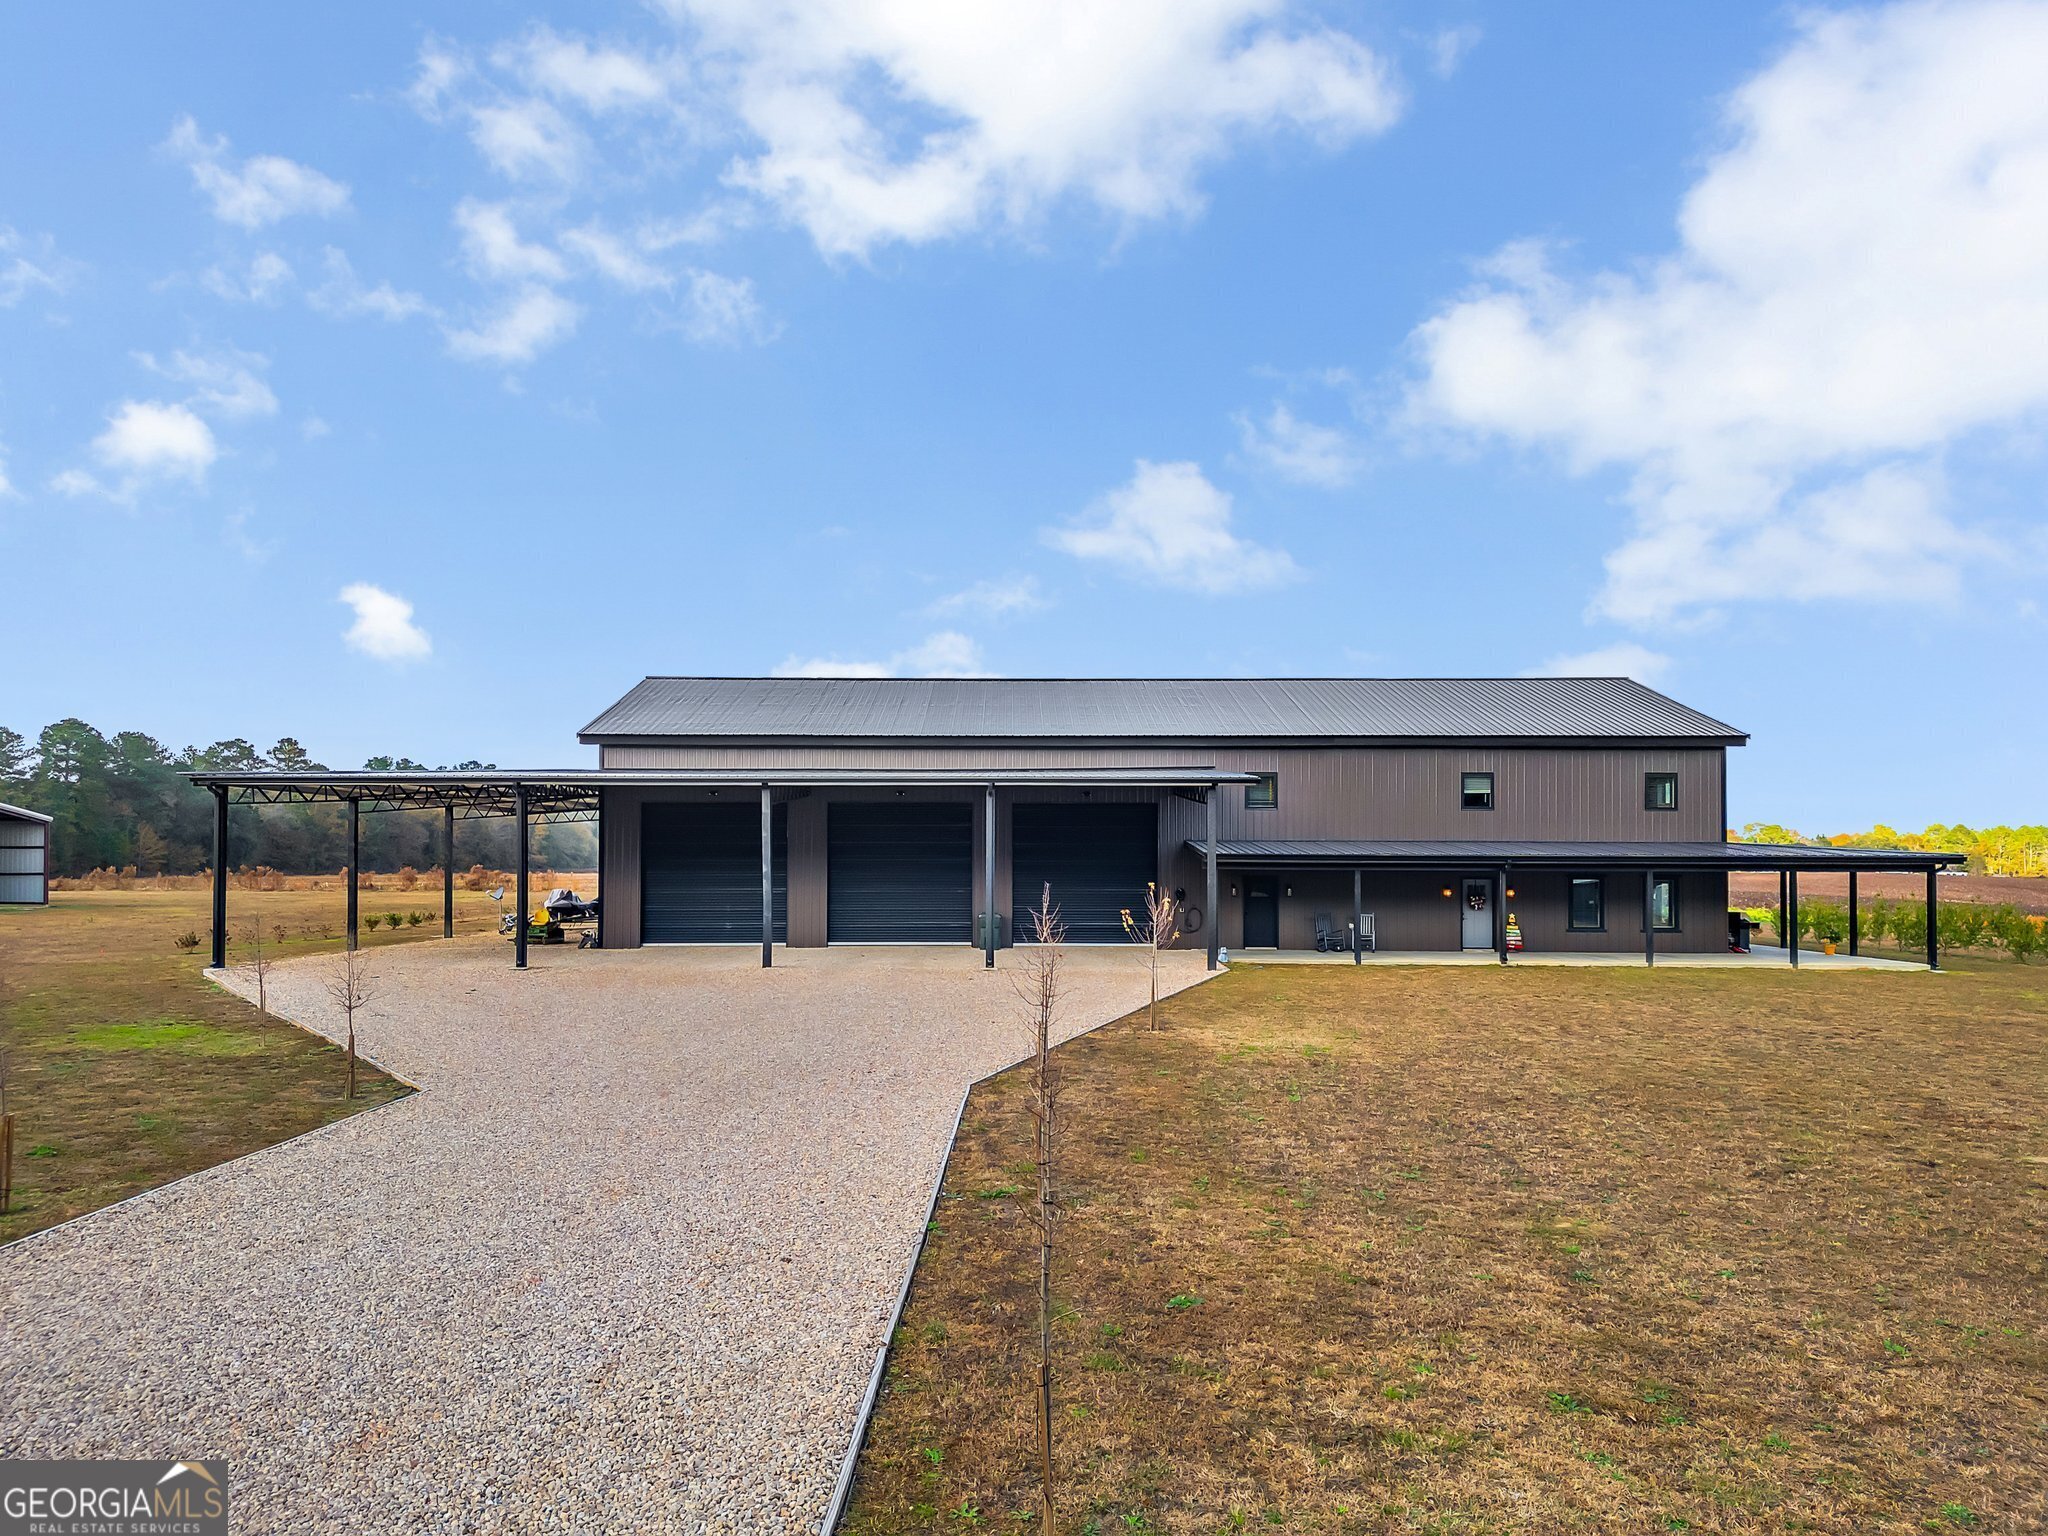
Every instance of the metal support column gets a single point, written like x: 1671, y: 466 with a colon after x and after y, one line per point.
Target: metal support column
x: 767, y: 877
x: 600, y: 869
x: 355, y: 872
x: 220, y: 875
x: 1500, y: 913
x: 1358, y: 917
x: 519, y: 913
x: 447, y: 871
x: 1792, y: 913
x: 1781, y: 906
x: 1933, y: 931
x: 1855, y: 936
x: 1649, y: 917
x: 1209, y: 859
x: 988, y: 878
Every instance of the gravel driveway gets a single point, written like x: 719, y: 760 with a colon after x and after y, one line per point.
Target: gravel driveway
x: 622, y: 1265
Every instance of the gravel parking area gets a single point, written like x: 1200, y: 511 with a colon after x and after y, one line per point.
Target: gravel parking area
x: 622, y: 1265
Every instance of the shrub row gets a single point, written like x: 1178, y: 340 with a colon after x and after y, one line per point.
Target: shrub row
x: 1957, y: 925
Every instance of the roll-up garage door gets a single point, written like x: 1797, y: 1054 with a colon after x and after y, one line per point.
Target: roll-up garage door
x: 899, y: 873
x: 700, y: 873
x: 1096, y: 858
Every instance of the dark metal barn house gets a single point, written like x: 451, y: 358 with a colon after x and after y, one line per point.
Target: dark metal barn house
x: 1578, y: 814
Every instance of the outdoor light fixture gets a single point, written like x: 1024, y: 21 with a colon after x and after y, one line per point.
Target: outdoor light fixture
x: 1233, y: 888
x: 1290, y: 890
x: 1511, y: 893
x: 1447, y: 890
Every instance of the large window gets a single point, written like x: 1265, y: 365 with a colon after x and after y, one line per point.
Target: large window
x: 1588, y: 906
x: 1660, y: 791
x: 1264, y: 795
x: 1475, y: 791
x: 1664, y: 906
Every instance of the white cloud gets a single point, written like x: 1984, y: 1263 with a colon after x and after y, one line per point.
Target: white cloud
x: 343, y: 295
x: 492, y: 247
x: 19, y: 274
x: 144, y: 441
x: 1170, y: 526
x: 265, y: 189
x: 918, y: 122
x: 313, y: 428
x: 1298, y: 450
x: 7, y: 490
x: 948, y: 653
x: 1856, y: 288
x: 383, y: 627
x: 995, y: 598
x: 723, y: 309
x: 615, y: 259
x: 263, y: 281
x: 596, y: 79
x: 531, y: 319
x: 1624, y: 659
x: 226, y: 384
x: 526, y: 138
x: 1447, y: 49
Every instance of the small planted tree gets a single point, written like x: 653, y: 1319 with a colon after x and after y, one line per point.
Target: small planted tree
x: 1157, y: 929
x: 1039, y: 983
x: 258, y: 964
x: 352, y: 987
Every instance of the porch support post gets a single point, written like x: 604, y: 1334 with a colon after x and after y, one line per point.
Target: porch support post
x: 1649, y: 917
x: 988, y: 878
x: 600, y: 869
x: 519, y: 912
x: 1209, y: 852
x: 767, y: 877
x: 1781, y: 906
x: 1792, y: 912
x: 1500, y: 913
x: 447, y: 871
x: 355, y: 873
x: 220, y: 875
x: 1358, y: 917
x: 1854, y: 935
x: 1933, y: 938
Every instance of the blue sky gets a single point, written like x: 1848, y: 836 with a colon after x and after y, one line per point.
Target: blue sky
x: 414, y: 385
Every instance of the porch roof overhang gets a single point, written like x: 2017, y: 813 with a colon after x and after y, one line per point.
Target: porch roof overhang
x: 560, y: 792
x: 1343, y: 854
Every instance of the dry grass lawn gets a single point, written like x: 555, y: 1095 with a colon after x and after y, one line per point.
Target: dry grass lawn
x: 129, y: 1069
x: 1538, y: 1251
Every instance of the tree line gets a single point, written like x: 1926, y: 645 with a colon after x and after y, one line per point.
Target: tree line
x: 1989, y: 850
x: 120, y: 802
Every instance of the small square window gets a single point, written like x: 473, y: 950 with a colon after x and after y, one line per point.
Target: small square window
x: 1475, y: 792
x: 1660, y: 791
x: 1664, y: 906
x: 1264, y: 795
x: 1588, y: 906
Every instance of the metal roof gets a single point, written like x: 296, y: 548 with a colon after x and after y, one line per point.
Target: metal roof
x: 562, y: 791
x: 1593, y: 855
x: 24, y: 814
x: 1201, y: 709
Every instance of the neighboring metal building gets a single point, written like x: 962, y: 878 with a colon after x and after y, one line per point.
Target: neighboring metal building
x: 809, y: 811
x: 24, y: 857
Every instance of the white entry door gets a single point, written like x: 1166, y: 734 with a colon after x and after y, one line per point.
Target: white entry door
x: 1478, y: 905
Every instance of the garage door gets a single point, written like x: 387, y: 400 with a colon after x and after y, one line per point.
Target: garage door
x: 899, y: 873
x: 700, y: 874
x: 1097, y: 858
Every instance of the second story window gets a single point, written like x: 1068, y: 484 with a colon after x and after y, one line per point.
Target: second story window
x: 1475, y: 791
x: 1264, y: 795
x: 1660, y: 791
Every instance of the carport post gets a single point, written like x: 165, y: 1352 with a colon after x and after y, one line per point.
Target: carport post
x: 1649, y: 917
x: 1500, y: 914
x: 767, y: 877
x: 988, y: 878
x: 447, y: 871
x: 1792, y: 913
x: 1853, y: 935
x: 1933, y: 939
x: 1215, y: 917
x: 1358, y: 917
x: 355, y: 854
x: 220, y: 875
x: 519, y: 898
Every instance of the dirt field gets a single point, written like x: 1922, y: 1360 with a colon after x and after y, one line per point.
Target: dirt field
x: 1758, y: 890
x: 1470, y: 1251
x: 130, y: 1069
